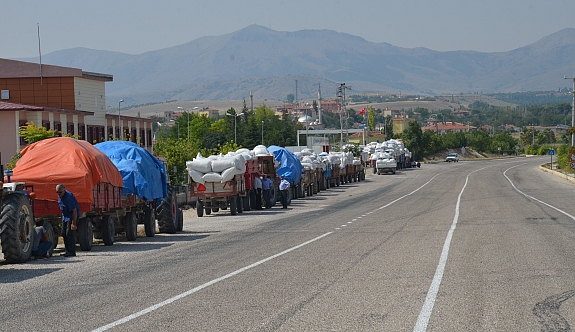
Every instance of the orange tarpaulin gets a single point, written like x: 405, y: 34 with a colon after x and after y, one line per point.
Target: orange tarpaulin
x: 76, y: 164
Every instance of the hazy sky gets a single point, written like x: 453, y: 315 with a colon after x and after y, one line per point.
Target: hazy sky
x: 138, y: 26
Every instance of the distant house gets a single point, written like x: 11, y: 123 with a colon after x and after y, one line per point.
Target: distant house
x: 210, y: 112
x: 331, y: 106
x: 445, y: 127
x: 358, y: 138
x: 461, y: 113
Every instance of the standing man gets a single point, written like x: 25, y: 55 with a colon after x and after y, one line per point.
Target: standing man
x: 70, y: 213
x: 258, y: 187
x: 284, y: 190
x: 266, y: 188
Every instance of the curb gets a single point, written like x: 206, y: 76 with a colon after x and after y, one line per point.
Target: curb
x: 559, y: 174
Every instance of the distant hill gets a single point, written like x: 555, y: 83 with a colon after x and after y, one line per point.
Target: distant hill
x: 268, y: 62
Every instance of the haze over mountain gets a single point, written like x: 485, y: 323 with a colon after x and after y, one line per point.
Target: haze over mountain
x: 268, y: 62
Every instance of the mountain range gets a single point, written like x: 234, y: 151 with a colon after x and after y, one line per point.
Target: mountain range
x: 268, y: 63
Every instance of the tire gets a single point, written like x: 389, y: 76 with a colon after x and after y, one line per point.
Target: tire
x: 208, y: 211
x: 274, y: 195
x: 108, y: 229
x: 240, y: 204
x: 16, y: 228
x: 246, y: 201
x: 215, y: 209
x: 85, y: 234
x: 199, y: 208
x: 131, y: 226
x: 149, y: 222
x: 233, y: 205
x: 167, y: 214
x: 180, y: 220
x: 289, y: 196
x: 52, y: 236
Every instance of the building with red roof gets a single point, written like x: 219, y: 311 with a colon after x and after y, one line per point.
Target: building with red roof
x: 68, y: 100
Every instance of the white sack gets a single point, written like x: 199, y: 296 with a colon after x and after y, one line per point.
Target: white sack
x: 229, y: 174
x: 196, y: 176
x: 203, y: 165
x: 212, y: 177
x: 221, y: 164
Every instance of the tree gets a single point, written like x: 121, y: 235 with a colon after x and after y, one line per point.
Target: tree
x: 546, y: 137
x: 33, y: 133
x: 388, y: 128
x: 413, y: 139
x: 371, y: 118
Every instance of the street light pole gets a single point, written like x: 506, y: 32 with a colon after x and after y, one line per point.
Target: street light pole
x: 119, y: 120
x: 235, y: 125
x: 572, y: 109
x: 262, y: 132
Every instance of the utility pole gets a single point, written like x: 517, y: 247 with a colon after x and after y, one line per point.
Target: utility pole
x: 572, y: 109
x: 319, y: 103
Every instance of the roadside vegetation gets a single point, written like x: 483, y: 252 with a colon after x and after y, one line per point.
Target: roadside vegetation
x: 180, y: 140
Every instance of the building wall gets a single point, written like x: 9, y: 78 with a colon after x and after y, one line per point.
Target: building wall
x: 56, y: 92
x: 90, y: 95
x: 8, y: 136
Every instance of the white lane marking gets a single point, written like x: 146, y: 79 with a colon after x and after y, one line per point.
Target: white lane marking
x: 425, y: 313
x: 533, y: 198
x: 349, y: 222
x: 193, y: 290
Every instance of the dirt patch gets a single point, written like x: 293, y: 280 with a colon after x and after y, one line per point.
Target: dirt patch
x: 469, y: 154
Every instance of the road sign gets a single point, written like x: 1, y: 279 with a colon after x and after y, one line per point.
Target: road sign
x: 551, y: 152
x: 572, y: 159
x: 573, y: 165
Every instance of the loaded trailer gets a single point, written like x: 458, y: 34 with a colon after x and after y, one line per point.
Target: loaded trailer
x: 97, y: 184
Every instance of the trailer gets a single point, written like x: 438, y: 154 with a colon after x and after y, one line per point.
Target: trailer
x: 290, y: 167
x: 213, y: 196
x: 222, y: 182
x: 86, y: 172
x: 145, y: 191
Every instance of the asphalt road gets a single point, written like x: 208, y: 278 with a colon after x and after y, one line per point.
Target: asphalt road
x: 468, y: 246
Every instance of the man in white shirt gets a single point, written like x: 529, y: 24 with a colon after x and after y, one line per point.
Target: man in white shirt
x: 284, y: 191
x: 258, y: 190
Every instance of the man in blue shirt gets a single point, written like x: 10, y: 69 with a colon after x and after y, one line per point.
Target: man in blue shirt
x: 284, y: 191
x: 70, y: 213
x: 266, y: 188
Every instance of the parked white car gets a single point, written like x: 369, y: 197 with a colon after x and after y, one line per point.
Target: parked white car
x: 452, y: 157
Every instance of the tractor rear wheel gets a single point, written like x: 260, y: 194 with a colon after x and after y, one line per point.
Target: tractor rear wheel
x: 167, y: 214
x: 16, y: 228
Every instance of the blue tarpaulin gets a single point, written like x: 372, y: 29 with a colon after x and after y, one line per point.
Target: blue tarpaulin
x: 143, y: 174
x: 290, y: 166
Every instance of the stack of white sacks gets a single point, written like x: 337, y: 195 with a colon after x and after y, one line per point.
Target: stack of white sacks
x: 222, y: 168
x: 310, y: 160
x: 392, y: 147
x: 341, y: 158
